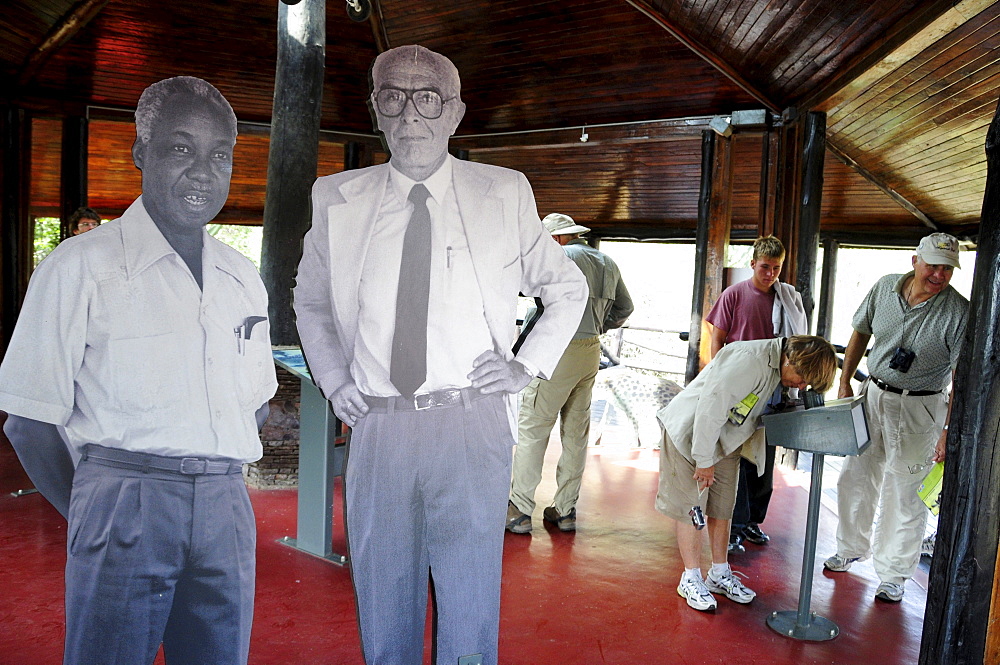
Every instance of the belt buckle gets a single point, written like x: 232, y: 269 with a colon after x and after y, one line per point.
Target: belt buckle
x: 200, y: 466
x: 423, y: 402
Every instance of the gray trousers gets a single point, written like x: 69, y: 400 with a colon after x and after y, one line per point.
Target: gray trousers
x: 156, y: 556
x: 426, y: 496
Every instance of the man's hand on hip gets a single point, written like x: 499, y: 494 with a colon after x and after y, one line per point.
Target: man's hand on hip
x: 491, y: 373
x: 349, y: 404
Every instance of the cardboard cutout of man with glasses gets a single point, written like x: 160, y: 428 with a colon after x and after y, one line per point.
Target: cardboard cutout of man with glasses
x: 406, y: 304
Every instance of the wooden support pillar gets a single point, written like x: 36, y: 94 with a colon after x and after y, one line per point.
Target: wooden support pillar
x: 812, y: 196
x: 714, y: 221
x: 16, y: 238
x: 294, y: 150
x: 824, y: 319
x: 770, y: 151
x: 960, y: 622
x: 787, y: 185
x: 73, y: 171
x: 357, y: 155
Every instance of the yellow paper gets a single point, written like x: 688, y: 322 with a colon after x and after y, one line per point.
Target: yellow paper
x: 930, y: 491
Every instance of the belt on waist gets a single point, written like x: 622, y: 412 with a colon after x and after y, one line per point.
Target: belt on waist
x: 136, y: 461
x: 902, y: 391
x: 423, y: 401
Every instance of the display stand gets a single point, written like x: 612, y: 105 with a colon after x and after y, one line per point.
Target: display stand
x: 839, y: 428
x: 321, y: 458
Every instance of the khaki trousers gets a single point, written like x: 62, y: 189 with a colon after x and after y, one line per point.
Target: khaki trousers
x: 567, y: 396
x: 903, y: 430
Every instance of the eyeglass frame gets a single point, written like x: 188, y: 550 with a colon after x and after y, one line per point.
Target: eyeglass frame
x: 409, y: 99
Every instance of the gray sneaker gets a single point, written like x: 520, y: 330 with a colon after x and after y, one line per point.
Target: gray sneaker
x: 517, y: 522
x: 839, y: 564
x: 889, y: 592
x: 564, y: 522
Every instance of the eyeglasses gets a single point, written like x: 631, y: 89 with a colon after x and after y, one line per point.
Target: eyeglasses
x: 391, y: 102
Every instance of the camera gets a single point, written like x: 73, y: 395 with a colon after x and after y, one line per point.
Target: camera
x: 697, y: 517
x: 902, y: 359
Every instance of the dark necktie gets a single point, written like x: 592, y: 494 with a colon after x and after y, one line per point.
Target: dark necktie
x: 408, y: 365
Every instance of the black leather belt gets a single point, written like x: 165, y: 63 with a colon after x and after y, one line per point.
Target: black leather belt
x: 902, y: 391
x: 422, y: 401
x: 187, y: 466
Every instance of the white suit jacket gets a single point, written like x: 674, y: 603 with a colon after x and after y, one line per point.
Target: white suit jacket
x: 510, y: 250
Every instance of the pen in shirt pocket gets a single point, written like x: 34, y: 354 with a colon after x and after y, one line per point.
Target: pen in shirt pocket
x: 449, y: 256
x: 244, y: 331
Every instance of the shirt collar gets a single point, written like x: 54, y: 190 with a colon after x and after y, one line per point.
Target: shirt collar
x: 145, y: 244
x: 437, y: 183
x: 898, y: 288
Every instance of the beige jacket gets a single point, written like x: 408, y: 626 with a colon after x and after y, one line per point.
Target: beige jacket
x: 697, y: 420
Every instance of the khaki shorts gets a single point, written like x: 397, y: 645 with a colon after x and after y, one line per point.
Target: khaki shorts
x: 678, y: 490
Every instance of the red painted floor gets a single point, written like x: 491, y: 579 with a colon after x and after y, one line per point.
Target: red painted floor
x: 603, y: 595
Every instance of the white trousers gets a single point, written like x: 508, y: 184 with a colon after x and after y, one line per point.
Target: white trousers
x: 903, y: 430
x: 567, y: 395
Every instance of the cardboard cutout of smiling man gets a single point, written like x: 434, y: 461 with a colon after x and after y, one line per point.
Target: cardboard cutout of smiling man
x: 405, y: 299
x: 147, y: 339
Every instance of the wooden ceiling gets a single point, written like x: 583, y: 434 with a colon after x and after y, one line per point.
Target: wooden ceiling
x: 909, y: 87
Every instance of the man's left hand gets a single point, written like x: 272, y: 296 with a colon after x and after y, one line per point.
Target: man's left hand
x: 940, y: 446
x: 491, y: 373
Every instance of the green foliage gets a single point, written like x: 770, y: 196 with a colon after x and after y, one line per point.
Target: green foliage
x: 244, y: 239
x: 46, y: 236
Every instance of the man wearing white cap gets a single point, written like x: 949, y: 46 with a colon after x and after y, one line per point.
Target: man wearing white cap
x: 567, y: 393
x: 918, y: 322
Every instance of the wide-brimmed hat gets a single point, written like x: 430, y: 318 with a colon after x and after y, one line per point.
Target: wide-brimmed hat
x: 939, y: 249
x: 558, y: 224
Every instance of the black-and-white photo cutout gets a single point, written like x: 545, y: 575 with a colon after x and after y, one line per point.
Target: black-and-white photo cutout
x: 146, y: 341
x: 406, y: 307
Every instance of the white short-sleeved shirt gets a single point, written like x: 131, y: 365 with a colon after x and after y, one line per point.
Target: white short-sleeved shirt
x: 116, y: 342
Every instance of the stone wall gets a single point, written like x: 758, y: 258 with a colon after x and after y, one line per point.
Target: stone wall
x: 279, y: 467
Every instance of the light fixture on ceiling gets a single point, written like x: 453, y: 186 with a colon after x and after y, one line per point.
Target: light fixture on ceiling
x: 584, y: 136
x: 359, y: 10
x: 720, y: 125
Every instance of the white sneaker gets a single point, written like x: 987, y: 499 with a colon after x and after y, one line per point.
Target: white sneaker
x: 730, y: 585
x: 839, y: 564
x: 697, y: 593
x: 889, y: 592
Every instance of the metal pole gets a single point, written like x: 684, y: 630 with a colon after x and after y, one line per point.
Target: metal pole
x: 804, y: 624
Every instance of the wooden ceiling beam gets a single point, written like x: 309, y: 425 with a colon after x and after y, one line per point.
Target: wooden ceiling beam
x: 893, y: 194
x: 654, y: 130
x: 704, y: 53
x: 64, y: 30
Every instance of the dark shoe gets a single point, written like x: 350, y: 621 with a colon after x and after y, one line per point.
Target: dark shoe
x: 736, y: 544
x: 753, y: 534
x: 517, y: 522
x: 564, y: 522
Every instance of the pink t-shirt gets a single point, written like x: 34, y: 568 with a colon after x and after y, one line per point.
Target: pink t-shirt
x: 744, y: 312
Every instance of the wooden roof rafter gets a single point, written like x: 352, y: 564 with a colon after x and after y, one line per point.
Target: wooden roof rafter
x: 704, y: 53
x: 61, y: 33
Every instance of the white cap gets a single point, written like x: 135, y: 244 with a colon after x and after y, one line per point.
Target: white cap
x: 939, y: 249
x: 558, y: 224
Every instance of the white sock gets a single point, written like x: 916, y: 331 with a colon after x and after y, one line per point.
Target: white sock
x: 692, y: 573
x: 720, y: 569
